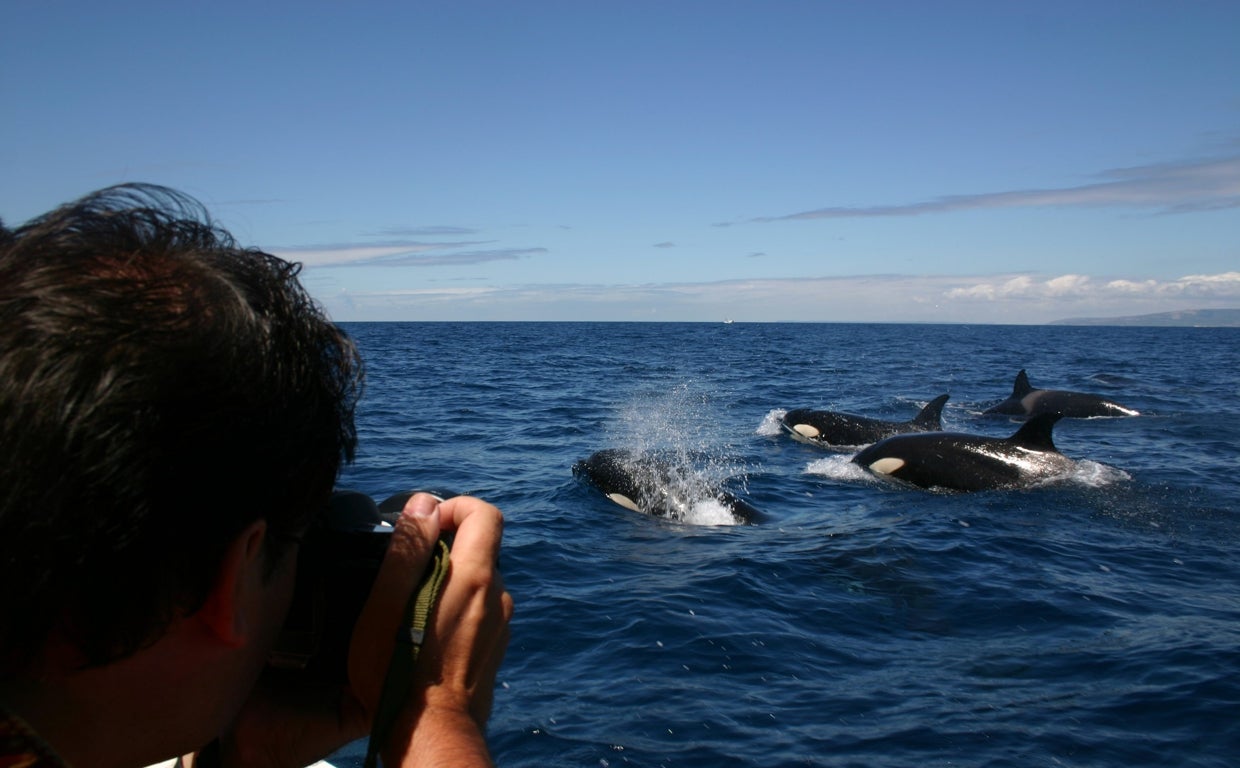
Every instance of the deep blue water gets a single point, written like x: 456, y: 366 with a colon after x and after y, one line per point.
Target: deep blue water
x: 1089, y: 622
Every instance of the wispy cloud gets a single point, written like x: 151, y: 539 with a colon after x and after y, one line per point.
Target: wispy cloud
x: 1166, y: 188
x: 430, y: 231
x: 402, y: 254
x: 463, y: 257
x: 337, y: 255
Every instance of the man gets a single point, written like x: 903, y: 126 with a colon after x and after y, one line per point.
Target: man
x: 173, y: 414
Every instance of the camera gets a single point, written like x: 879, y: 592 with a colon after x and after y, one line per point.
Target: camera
x: 336, y: 568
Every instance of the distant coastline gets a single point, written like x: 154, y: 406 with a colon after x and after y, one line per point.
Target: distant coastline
x: 1188, y: 318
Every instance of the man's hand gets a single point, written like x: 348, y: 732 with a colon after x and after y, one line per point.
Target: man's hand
x: 444, y: 719
x: 454, y: 679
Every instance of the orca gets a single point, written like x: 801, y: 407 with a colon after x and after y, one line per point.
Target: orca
x: 643, y: 482
x: 833, y: 428
x: 1027, y: 401
x: 964, y: 462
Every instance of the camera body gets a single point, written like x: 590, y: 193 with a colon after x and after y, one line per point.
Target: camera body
x: 337, y: 564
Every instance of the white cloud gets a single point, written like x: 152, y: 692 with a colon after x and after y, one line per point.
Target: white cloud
x: 1007, y: 298
x: 1068, y: 285
x: 1131, y: 287
x: 1120, y: 295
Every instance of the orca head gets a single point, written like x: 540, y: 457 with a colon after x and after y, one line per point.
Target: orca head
x: 887, y: 465
x: 610, y: 470
x: 643, y: 483
x: 807, y: 430
x: 799, y: 423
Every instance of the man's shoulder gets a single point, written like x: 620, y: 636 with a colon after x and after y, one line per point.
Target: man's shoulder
x: 21, y: 747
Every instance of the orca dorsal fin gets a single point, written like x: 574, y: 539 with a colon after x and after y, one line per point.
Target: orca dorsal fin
x: 1035, y: 434
x: 1022, y: 386
x: 931, y: 417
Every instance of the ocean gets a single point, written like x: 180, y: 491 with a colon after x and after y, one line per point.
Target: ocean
x: 1090, y: 621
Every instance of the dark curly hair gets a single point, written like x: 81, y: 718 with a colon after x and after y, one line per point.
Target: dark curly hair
x: 160, y: 389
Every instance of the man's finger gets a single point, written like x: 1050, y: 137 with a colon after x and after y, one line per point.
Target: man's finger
x: 374, y: 636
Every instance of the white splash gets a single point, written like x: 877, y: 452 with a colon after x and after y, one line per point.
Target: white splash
x: 677, y: 425
x: 771, y: 423
x: 709, y: 512
x: 1096, y: 475
x: 838, y: 467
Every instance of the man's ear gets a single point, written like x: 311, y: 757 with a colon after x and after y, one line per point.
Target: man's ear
x: 224, y: 612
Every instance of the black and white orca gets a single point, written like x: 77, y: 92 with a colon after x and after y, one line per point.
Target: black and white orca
x: 964, y: 462
x: 836, y: 429
x: 645, y: 483
x: 1027, y: 401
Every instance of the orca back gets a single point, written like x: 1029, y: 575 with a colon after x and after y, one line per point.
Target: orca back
x: 1035, y: 434
x: 931, y: 417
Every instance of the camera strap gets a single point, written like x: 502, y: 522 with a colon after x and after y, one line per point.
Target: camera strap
x: 409, y: 639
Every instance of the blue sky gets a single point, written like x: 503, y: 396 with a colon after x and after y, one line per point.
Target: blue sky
x: 801, y: 161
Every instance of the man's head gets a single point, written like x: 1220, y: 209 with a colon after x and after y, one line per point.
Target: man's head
x: 160, y: 390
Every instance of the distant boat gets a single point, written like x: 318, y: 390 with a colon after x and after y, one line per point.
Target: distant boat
x: 727, y: 321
